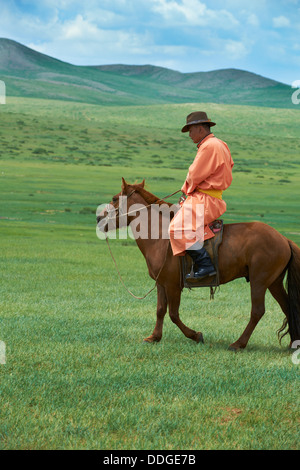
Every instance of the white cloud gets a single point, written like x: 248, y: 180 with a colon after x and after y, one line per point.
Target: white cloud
x: 281, y: 22
x: 235, y: 50
x: 193, y: 13
x: 82, y: 42
x: 253, y: 20
x: 79, y: 28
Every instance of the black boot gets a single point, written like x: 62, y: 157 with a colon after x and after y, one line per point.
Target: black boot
x: 202, y: 265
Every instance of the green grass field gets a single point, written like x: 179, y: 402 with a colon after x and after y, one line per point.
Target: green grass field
x: 77, y: 373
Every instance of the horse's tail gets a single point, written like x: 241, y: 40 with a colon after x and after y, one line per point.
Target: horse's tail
x: 293, y: 290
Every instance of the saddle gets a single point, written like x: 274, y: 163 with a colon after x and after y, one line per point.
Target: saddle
x: 212, y: 248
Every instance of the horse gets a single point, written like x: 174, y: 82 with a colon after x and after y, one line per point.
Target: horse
x: 253, y: 250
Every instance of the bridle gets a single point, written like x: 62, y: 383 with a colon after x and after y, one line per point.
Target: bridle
x: 116, y: 212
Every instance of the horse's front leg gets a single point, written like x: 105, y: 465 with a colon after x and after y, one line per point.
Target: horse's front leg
x: 160, y: 315
x: 257, y: 311
x: 173, y: 296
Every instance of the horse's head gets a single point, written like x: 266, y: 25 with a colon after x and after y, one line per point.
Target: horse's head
x: 109, y: 217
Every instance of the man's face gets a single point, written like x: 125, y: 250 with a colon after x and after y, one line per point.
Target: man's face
x: 197, y: 133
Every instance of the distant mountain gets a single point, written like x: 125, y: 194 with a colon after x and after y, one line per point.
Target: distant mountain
x: 28, y: 73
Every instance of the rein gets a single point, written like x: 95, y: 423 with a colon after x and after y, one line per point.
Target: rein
x: 162, y: 266
x: 121, y: 279
x: 145, y: 207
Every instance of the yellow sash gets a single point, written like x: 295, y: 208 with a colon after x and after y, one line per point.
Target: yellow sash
x: 217, y: 193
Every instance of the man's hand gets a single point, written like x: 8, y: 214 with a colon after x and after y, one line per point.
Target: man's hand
x: 182, y: 199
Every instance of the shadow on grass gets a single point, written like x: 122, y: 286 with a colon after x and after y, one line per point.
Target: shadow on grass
x: 250, y: 348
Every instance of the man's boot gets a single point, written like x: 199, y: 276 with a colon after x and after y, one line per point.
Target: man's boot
x: 202, y: 265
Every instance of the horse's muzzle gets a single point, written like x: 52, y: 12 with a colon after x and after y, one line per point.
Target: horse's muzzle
x: 102, y: 221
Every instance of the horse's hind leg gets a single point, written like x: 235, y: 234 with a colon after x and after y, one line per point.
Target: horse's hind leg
x: 162, y: 306
x: 173, y: 296
x: 279, y: 293
x: 257, y: 311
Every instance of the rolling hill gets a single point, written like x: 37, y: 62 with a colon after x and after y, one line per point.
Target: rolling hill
x: 28, y: 73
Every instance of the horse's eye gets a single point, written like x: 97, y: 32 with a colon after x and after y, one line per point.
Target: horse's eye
x: 114, y: 199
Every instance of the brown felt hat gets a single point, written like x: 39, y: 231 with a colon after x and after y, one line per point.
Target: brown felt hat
x: 198, y: 117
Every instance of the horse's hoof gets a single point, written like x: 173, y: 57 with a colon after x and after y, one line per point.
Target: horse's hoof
x: 199, y: 337
x: 150, y: 339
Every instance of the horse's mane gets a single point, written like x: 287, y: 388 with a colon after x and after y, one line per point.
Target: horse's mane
x: 149, y: 197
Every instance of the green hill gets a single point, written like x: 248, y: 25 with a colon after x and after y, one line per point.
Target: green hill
x: 28, y: 73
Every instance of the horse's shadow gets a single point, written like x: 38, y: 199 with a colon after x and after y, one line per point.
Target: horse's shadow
x: 251, y: 348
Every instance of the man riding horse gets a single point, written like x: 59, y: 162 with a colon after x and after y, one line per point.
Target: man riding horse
x: 208, y: 176
x: 251, y: 250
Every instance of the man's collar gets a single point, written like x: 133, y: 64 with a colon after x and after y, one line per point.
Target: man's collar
x: 204, y: 138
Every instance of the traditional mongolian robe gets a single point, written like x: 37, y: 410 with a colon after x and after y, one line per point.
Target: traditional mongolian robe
x: 208, y: 176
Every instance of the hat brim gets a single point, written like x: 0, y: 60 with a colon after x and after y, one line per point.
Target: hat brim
x: 187, y: 126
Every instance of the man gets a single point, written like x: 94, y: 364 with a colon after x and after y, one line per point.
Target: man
x: 208, y: 176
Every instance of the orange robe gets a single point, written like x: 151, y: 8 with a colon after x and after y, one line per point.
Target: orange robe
x: 211, y: 170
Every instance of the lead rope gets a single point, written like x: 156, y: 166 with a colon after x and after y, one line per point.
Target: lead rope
x: 149, y: 205
x: 121, y: 279
x: 162, y: 266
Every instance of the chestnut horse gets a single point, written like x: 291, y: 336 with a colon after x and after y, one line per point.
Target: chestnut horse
x: 252, y: 250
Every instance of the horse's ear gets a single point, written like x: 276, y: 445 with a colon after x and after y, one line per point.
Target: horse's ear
x: 124, y: 185
x: 142, y: 184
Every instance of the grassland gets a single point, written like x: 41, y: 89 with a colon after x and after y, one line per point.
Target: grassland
x: 77, y: 375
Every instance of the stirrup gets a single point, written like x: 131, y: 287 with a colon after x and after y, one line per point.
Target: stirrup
x: 201, y: 273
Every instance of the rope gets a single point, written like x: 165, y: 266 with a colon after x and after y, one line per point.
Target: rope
x: 121, y: 279
x: 162, y: 266
x: 149, y: 205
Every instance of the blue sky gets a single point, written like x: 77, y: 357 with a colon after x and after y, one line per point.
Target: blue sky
x: 261, y: 36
